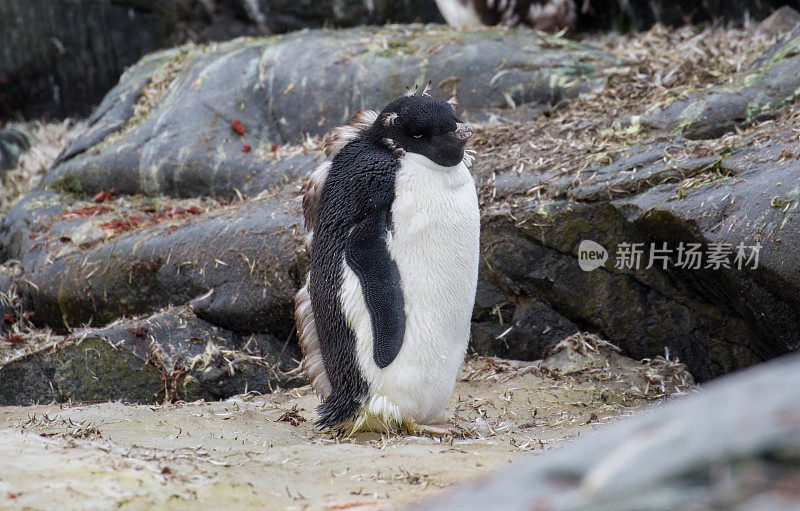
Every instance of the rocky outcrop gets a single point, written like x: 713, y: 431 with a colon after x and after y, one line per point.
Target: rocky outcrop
x: 95, y: 264
x: 183, y: 192
x: 182, y: 196
x: 233, y: 272
x: 663, y: 191
x: 166, y: 128
x: 172, y: 355
x: 734, y: 445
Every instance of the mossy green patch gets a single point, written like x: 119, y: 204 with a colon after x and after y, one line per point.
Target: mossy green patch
x: 790, y: 49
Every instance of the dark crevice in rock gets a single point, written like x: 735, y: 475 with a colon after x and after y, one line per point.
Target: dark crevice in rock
x: 642, y: 313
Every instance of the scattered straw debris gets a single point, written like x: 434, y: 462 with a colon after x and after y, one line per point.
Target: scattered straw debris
x: 19, y: 335
x: 50, y: 140
x: 169, y: 370
x: 583, y: 344
x: 43, y: 425
x: 659, y: 66
x: 585, y: 355
x: 292, y: 416
x: 160, y: 82
x: 664, y: 377
x: 215, y: 358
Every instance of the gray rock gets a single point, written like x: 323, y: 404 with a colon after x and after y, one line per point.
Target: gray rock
x: 781, y: 21
x: 716, y: 320
x: 180, y: 141
x: 541, y: 263
x: 637, y: 169
x: 172, y: 355
x: 660, y: 190
x: 239, y: 267
x: 528, y: 328
x: 733, y: 445
x: 750, y: 208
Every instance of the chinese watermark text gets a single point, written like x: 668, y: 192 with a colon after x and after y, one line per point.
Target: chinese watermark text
x: 686, y: 256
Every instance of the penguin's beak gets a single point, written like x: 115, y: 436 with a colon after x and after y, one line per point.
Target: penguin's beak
x: 463, y: 131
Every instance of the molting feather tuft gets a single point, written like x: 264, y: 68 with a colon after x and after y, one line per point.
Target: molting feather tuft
x: 342, y: 135
x: 313, y: 366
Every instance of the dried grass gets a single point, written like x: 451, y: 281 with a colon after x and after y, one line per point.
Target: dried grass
x: 660, y: 66
x: 21, y: 336
x: 584, y: 344
x: 46, y: 426
x: 50, y: 140
x: 585, y: 356
x: 649, y: 378
x: 160, y: 82
x: 665, y: 376
x: 162, y: 79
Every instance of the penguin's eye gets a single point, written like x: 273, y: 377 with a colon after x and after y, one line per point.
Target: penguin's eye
x: 417, y: 136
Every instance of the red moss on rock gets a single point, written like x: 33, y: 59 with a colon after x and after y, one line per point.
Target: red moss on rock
x: 120, y: 225
x: 86, y: 211
x: 13, y: 338
x: 237, y: 127
x: 125, y: 224
x: 104, y: 195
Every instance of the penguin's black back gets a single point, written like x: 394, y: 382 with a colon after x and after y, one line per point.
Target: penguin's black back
x: 360, y: 182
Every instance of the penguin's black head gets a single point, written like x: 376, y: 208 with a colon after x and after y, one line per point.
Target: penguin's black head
x: 425, y: 125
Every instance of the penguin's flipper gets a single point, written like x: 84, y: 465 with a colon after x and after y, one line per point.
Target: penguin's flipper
x: 368, y: 256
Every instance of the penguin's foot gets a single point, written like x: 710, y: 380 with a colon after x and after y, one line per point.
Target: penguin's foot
x: 367, y: 421
x: 436, y: 430
x: 379, y: 416
x: 378, y: 424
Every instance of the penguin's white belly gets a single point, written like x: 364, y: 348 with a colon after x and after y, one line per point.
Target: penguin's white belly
x: 435, y: 244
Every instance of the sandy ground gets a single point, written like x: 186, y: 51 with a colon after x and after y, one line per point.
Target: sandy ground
x: 263, y: 451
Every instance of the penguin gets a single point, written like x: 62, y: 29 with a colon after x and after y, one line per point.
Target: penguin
x: 544, y: 15
x: 13, y: 143
x: 384, y: 317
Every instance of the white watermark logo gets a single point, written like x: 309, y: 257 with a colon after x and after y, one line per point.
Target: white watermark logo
x: 591, y: 255
x: 686, y: 256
